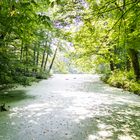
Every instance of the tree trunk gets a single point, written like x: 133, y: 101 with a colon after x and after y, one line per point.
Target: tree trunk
x: 26, y: 60
x: 135, y: 62
x: 34, y: 60
x: 111, y: 65
x: 111, y: 61
x: 43, y: 57
x: 46, y: 61
x: 21, y: 52
x: 52, y: 60
x: 37, y: 59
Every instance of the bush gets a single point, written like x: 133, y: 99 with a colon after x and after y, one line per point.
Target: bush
x: 135, y: 87
x: 42, y: 75
x: 24, y: 80
x: 122, y: 79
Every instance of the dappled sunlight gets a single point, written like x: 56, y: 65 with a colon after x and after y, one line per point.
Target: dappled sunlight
x: 73, y: 107
x: 104, y: 134
x: 92, y: 137
x: 125, y: 137
x: 103, y: 126
x: 33, y: 109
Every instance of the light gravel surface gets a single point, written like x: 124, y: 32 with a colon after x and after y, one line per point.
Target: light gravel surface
x: 72, y: 107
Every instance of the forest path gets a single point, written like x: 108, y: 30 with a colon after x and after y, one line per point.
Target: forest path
x: 71, y: 107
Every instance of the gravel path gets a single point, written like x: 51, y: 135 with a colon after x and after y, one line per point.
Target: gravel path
x: 72, y: 107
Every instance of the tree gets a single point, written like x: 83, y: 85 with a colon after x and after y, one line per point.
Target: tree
x: 110, y: 31
x: 20, y: 41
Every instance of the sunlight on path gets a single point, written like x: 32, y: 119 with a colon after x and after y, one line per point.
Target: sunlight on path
x: 72, y: 107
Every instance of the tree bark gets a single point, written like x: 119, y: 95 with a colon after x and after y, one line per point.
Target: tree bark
x: 34, y: 59
x: 26, y: 54
x: 46, y: 61
x: 52, y: 61
x: 135, y: 63
x: 37, y: 59
x: 21, y: 52
x: 111, y: 65
x: 43, y: 58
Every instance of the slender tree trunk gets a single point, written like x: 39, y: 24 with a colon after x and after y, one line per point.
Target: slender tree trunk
x: 135, y: 62
x: 52, y: 60
x: 34, y: 61
x: 111, y: 61
x: 26, y: 56
x: 111, y: 65
x: 21, y: 52
x: 46, y: 61
x: 43, y: 58
x: 37, y: 59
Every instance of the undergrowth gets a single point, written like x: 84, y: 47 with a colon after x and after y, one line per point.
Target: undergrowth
x: 122, y: 79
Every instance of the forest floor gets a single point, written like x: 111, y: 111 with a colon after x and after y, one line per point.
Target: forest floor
x: 70, y: 107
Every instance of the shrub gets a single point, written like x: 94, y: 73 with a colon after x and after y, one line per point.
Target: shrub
x: 122, y: 79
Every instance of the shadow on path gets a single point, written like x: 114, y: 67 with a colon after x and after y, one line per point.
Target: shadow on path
x: 13, y: 96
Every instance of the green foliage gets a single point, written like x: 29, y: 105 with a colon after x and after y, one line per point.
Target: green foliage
x: 104, y: 34
x: 135, y: 87
x: 121, y: 79
x: 24, y: 80
x: 108, y: 41
x: 42, y: 75
x: 26, y: 33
